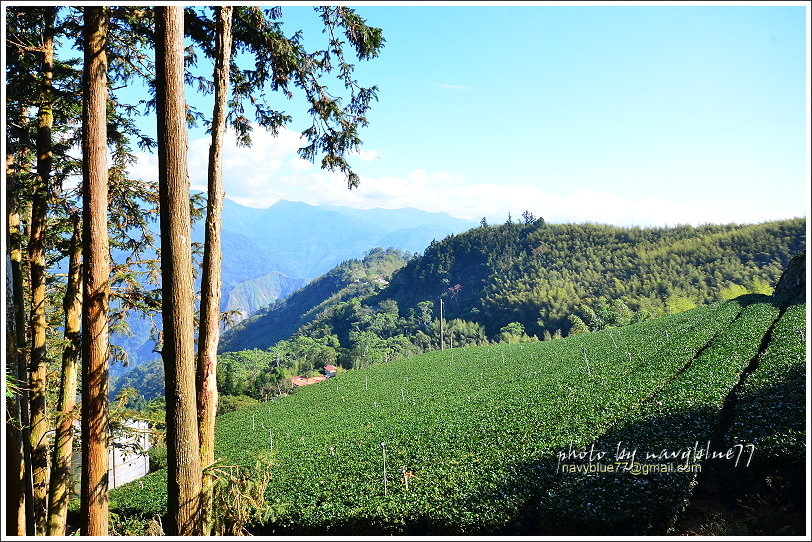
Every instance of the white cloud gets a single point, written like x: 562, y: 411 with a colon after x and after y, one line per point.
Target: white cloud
x: 270, y: 170
x: 299, y: 164
x: 367, y: 155
x: 453, y: 87
x: 146, y: 167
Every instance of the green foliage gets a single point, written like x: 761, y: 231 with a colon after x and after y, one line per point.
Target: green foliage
x: 466, y: 333
x: 771, y: 406
x: 687, y: 409
x: 676, y: 304
x: 577, y: 326
x: 11, y: 386
x: 534, y: 274
x: 157, y: 457
x: 758, y: 286
x: 606, y: 313
x: 481, y: 428
x: 230, y: 403
x: 147, y: 378
x: 512, y: 333
x: 237, y: 497
x: 349, y: 280
x: 531, y: 272
x: 514, y: 328
x: 733, y: 291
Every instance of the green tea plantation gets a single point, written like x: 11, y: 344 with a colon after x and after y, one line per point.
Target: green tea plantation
x: 600, y: 433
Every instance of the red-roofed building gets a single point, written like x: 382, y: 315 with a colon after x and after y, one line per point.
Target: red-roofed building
x: 330, y: 370
x: 302, y: 381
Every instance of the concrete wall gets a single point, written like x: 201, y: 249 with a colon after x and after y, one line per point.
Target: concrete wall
x: 124, y: 464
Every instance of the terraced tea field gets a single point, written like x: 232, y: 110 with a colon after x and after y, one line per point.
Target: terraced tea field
x: 498, y: 437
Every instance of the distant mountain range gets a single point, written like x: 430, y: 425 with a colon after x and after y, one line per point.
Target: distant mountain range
x: 307, y: 241
x: 269, y: 253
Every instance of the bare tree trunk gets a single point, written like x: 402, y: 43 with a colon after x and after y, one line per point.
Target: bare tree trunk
x: 96, y: 283
x: 209, y: 335
x: 20, y: 371
x: 15, y: 467
x: 59, y: 491
x: 183, y: 445
x: 15, y: 464
x: 36, y: 255
x: 211, y: 286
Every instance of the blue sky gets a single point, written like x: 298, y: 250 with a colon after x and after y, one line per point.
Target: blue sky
x: 637, y: 115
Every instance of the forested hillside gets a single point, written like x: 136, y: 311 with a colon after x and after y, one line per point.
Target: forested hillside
x: 270, y: 253
x: 540, y: 274
x: 350, y: 279
x: 533, y: 279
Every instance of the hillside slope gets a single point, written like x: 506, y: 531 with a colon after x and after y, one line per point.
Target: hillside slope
x: 353, y: 278
x: 499, y: 437
x: 542, y: 275
x: 270, y: 253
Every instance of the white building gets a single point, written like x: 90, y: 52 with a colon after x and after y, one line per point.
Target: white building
x: 125, y: 462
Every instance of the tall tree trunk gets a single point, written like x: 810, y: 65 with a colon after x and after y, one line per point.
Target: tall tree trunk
x: 18, y: 302
x: 96, y: 283
x: 15, y: 462
x: 59, y: 491
x: 183, y: 447
x: 15, y: 467
x: 36, y: 255
x: 209, y: 335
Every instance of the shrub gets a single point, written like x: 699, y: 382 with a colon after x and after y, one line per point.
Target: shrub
x: 230, y: 403
x: 157, y: 457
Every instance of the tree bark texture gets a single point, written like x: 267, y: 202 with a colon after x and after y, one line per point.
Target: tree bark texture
x: 15, y: 464
x: 184, y: 474
x: 19, y: 367
x: 36, y: 255
x: 15, y: 467
x: 96, y: 285
x: 211, y: 286
x: 59, y: 491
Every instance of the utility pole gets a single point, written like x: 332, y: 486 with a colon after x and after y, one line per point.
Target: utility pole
x: 442, y: 341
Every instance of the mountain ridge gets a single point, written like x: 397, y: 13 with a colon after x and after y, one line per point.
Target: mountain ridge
x: 270, y: 253
x: 551, y: 277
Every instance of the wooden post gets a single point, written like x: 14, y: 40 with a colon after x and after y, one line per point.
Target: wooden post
x: 586, y: 359
x: 442, y: 342
x: 113, y: 465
